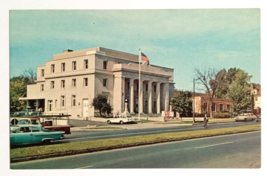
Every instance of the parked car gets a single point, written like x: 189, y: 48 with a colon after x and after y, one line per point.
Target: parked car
x: 121, y: 119
x: 245, y: 117
x: 258, y: 118
x: 20, y: 113
x: 33, y: 134
x: 31, y: 112
x: 25, y: 121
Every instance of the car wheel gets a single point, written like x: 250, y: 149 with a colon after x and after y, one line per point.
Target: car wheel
x: 245, y: 120
x: 46, y: 142
x: 121, y: 122
x: 108, y: 122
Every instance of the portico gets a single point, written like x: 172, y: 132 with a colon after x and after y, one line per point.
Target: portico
x: 154, y: 89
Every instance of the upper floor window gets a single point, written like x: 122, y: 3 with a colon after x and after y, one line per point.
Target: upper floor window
x: 73, y: 100
x: 105, y: 82
x: 62, y: 101
x: 85, y: 82
x: 74, y: 65
x: 52, y: 86
x: 62, y: 84
x: 42, y: 87
x: 53, y: 68
x: 86, y: 64
x: 42, y: 73
x: 63, y: 67
x: 74, y: 83
x: 105, y: 64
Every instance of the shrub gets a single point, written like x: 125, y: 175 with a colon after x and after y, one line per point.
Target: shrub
x: 221, y: 115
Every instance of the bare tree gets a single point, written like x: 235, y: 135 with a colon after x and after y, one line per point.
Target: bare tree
x: 211, y: 79
x: 29, y: 76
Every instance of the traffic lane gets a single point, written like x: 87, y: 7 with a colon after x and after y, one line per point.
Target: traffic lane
x: 231, y: 151
x: 95, y: 135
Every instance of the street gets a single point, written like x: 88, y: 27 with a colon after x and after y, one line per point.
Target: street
x: 94, y: 135
x: 231, y: 151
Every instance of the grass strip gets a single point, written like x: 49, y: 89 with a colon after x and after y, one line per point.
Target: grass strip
x: 105, y: 128
x: 37, y: 152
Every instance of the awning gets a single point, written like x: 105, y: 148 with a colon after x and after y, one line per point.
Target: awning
x: 27, y: 98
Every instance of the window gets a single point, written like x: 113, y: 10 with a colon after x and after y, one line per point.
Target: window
x: 42, y: 73
x: 42, y: 87
x: 105, y: 82
x: 74, y: 83
x: 86, y: 64
x: 34, y: 129
x: 205, y: 106
x: 85, y: 82
x: 52, y: 68
x: 221, y: 107
x: 213, y: 107
x: 50, y: 105
x: 62, y: 101
x: 52, y: 86
x: 105, y: 63
x: 62, y: 67
x: 73, y: 100
x: 229, y: 108
x: 146, y: 87
x: 74, y: 65
x: 62, y: 84
x: 155, y: 88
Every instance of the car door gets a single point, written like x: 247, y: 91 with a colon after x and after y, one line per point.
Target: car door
x: 37, y: 135
x: 24, y: 136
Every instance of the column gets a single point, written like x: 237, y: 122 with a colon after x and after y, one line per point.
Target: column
x: 37, y: 104
x: 158, y: 97
x: 140, y: 105
x: 166, y: 89
x: 27, y: 104
x: 131, y: 95
x: 117, y: 94
x: 149, y: 97
x: 122, y: 94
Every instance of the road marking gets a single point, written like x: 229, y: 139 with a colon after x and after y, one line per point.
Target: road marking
x: 84, y: 167
x: 213, y: 145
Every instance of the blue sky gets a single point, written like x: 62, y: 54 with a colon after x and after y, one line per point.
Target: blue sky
x: 181, y: 39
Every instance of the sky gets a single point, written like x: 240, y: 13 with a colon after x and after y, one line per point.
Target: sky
x: 184, y: 40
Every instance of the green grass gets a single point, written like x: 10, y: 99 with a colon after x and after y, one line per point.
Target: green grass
x: 103, y: 144
x: 107, y: 128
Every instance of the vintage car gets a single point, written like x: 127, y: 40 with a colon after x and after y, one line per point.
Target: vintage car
x: 30, y: 112
x: 33, y: 134
x: 258, y: 118
x: 25, y: 121
x: 21, y: 113
x: 121, y: 119
x: 245, y: 117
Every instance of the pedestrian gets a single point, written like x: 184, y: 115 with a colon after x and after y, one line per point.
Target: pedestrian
x: 205, y: 121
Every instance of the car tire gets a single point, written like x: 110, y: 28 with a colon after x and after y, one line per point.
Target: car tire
x: 46, y: 142
x: 121, y: 122
x: 245, y: 119
x: 108, y: 122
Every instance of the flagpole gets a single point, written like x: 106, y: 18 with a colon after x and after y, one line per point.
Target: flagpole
x: 139, y: 85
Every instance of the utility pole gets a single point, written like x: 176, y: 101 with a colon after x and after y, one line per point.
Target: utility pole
x: 193, y: 100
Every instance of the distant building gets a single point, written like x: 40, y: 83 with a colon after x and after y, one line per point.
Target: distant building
x: 256, y: 95
x: 69, y: 82
x: 202, y: 101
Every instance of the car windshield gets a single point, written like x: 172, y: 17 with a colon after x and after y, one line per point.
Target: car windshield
x: 14, y: 130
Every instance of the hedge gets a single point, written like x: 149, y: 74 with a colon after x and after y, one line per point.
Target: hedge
x: 221, y: 115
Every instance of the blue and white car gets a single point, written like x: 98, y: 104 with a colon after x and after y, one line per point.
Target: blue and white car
x: 33, y: 134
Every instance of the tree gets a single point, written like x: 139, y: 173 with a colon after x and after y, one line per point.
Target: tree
x: 182, y: 103
x: 211, y: 80
x: 101, y: 103
x: 222, y: 90
x: 17, y: 90
x: 239, y: 91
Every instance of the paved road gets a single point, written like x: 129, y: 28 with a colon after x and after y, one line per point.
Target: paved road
x: 94, y: 135
x: 232, y: 151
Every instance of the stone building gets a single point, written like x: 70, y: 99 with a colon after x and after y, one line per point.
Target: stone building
x: 69, y: 82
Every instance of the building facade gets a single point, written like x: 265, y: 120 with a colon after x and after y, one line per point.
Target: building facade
x: 256, y: 95
x: 69, y: 82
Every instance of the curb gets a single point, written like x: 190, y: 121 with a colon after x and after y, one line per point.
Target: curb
x: 15, y: 160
